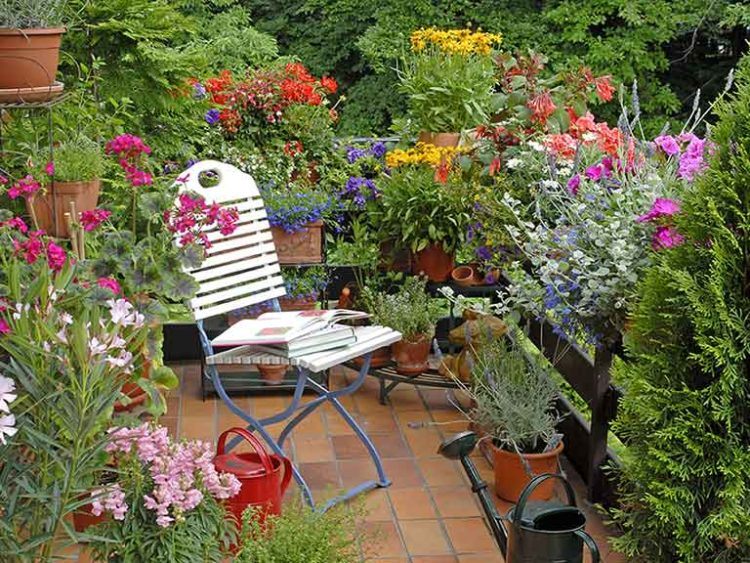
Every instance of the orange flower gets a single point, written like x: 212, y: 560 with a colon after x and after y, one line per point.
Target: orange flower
x: 581, y: 125
x: 541, y: 107
x: 604, y: 88
x: 608, y: 139
x: 562, y: 145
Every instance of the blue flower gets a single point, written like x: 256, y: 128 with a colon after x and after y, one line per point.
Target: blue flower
x: 378, y: 149
x: 212, y: 116
x: 353, y: 154
x: 199, y: 91
x: 484, y: 253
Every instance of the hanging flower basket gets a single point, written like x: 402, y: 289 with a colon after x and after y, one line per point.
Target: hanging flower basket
x: 304, y: 246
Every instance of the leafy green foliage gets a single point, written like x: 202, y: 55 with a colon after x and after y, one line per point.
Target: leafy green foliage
x: 300, y: 535
x: 78, y: 159
x: 686, y: 472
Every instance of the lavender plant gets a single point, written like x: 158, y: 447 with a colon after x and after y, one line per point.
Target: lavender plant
x: 29, y: 14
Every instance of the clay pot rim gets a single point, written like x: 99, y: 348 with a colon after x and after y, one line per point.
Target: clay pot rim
x: 555, y: 452
x: 32, y: 30
x: 422, y: 338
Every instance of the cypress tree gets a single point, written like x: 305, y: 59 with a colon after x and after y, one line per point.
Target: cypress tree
x: 685, y: 479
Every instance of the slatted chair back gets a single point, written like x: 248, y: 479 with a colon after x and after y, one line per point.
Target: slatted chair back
x: 240, y: 269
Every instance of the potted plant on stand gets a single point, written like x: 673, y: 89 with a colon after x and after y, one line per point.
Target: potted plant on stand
x: 449, y: 78
x: 76, y: 172
x: 429, y: 217
x: 30, y: 37
x: 514, y: 405
x: 413, y: 313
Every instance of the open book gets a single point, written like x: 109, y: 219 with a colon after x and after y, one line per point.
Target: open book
x: 283, y: 327
x: 330, y: 338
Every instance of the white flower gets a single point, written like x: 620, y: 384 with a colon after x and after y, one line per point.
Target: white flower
x: 550, y: 184
x: 589, y: 137
x: 7, y: 427
x: 96, y: 347
x: 514, y: 163
x: 120, y: 310
x: 7, y: 395
x: 539, y: 147
x: 66, y: 318
x: 122, y: 361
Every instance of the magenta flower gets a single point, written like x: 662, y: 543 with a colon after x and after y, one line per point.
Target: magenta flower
x: 56, y: 256
x: 668, y: 144
x: 666, y: 237
x: 594, y: 172
x: 4, y: 327
x: 692, y: 162
x: 16, y: 223
x: 90, y: 220
x: 573, y: 184
x: 111, y: 284
x: 662, y: 207
x: 26, y: 187
x: 49, y: 168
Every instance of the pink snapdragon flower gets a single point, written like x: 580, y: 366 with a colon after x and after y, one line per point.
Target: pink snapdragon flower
x: 113, y: 501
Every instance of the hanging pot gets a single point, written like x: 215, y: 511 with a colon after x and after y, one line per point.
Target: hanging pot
x: 412, y: 357
x: 304, y: 246
x: 511, y: 476
x: 434, y: 262
x: 29, y: 57
x: 57, y: 202
x: 264, y: 477
x: 439, y: 139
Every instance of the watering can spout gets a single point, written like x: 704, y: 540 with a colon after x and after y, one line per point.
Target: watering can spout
x: 459, y: 447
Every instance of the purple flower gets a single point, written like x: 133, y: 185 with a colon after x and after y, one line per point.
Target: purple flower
x: 691, y: 162
x: 353, y: 154
x: 212, y: 116
x: 484, y: 253
x: 662, y: 207
x: 666, y: 237
x: 573, y: 184
x: 199, y: 91
x: 378, y: 149
x: 668, y: 144
x: 594, y: 172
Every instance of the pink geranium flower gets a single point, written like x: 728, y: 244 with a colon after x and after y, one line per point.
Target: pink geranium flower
x: 668, y: 144
x: 111, y: 284
x: 90, y: 220
x: 56, y: 256
x: 49, y: 168
x: 662, y: 207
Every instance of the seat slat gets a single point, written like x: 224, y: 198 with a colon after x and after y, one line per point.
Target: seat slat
x: 268, y: 257
x: 243, y: 253
x: 212, y: 297
x: 239, y: 303
x: 246, y: 229
x: 230, y: 243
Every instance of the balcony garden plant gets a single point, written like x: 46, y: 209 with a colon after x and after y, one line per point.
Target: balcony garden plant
x: 448, y: 78
x: 30, y: 36
x: 412, y: 312
x: 424, y: 206
x: 514, y: 405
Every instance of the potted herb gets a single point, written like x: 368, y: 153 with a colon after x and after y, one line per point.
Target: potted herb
x: 514, y: 404
x: 30, y: 37
x: 76, y: 171
x: 424, y: 215
x: 449, y: 78
x: 166, y: 502
x: 413, y: 313
x: 296, y: 214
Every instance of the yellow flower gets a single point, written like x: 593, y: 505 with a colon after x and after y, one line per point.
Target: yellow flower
x: 463, y: 42
x: 422, y: 153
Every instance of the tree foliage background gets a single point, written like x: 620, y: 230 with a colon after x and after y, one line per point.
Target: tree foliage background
x: 672, y: 47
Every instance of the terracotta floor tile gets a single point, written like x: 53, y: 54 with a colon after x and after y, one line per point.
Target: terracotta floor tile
x: 439, y: 472
x: 488, y: 557
x: 435, y: 559
x: 406, y: 402
x: 387, y: 560
x: 313, y: 426
x: 355, y: 471
x: 336, y: 425
x: 198, y: 428
x: 423, y: 442
x: 173, y: 405
x: 388, y: 445
x: 403, y: 473
x: 455, y: 502
x: 424, y: 537
x: 193, y: 406
x: 383, y: 540
x: 377, y: 506
x: 469, y: 535
x: 320, y: 475
x: 309, y: 450
x: 170, y: 422
x: 381, y: 421
x: 412, y: 504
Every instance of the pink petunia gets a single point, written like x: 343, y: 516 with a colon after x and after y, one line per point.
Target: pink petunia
x: 573, y: 184
x: 668, y: 144
x: 666, y: 237
x: 662, y: 207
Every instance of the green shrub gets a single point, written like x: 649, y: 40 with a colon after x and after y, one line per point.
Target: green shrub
x: 685, y: 477
x: 300, y: 535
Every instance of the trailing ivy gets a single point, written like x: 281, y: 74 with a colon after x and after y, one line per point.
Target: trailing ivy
x: 685, y: 479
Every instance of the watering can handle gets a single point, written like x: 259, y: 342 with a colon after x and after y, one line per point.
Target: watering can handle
x: 533, y: 484
x: 591, y: 544
x: 254, y: 442
x: 287, y: 474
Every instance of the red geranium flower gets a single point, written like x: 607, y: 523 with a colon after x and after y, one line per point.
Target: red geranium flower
x: 330, y: 84
x: 604, y: 88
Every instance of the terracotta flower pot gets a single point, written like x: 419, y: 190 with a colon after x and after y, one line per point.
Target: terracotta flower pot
x: 298, y: 304
x: 29, y: 57
x: 84, y: 196
x: 434, y: 262
x: 511, y: 476
x: 466, y: 275
x: 411, y: 357
x: 301, y: 247
x: 83, y: 518
x: 272, y: 375
x: 439, y: 139
x: 380, y: 358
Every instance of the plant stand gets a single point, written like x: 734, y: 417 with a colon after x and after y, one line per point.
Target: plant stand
x: 389, y: 379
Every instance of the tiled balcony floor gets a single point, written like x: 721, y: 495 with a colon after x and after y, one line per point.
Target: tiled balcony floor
x: 428, y: 514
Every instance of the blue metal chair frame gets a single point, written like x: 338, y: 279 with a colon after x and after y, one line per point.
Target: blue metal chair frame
x: 302, y: 410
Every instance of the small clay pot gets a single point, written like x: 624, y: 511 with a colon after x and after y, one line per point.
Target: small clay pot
x: 304, y: 246
x: 434, y: 262
x: 299, y: 304
x: 511, y: 477
x: 272, y: 375
x: 412, y: 357
x: 466, y: 275
x: 439, y: 139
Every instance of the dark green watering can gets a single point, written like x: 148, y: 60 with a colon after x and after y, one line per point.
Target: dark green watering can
x: 541, y: 532
x: 537, y: 532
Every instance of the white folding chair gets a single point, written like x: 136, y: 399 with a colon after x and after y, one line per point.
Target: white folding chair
x: 241, y: 270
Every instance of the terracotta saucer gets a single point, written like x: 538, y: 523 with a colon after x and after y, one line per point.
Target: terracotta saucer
x: 31, y: 95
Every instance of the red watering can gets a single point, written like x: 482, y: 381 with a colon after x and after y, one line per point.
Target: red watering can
x: 259, y: 472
